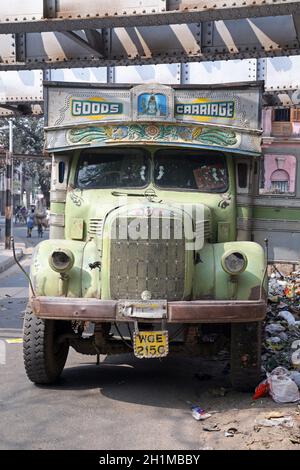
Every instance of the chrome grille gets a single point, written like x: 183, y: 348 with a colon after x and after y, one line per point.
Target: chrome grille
x: 155, y: 265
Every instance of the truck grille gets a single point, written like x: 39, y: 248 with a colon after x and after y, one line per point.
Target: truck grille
x: 155, y: 265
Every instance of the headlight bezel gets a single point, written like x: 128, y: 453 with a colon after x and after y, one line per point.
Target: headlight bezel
x: 65, y: 266
x: 225, y: 265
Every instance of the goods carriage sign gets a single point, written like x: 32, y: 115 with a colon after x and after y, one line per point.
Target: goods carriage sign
x: 202, y: 108
x: 80, y: 115
x: 95, y: 107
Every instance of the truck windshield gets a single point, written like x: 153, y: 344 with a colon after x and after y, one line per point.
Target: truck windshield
x: 193, y: 170
x: 126, y: 168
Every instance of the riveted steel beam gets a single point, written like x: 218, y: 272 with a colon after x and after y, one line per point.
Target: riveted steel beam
x: 21, y: 110
x: 49, y: 34
x: 179, y: 43
x: 296, y: 20
x: 92, y: 62
x: 83, y: 43
x: 67, y: 15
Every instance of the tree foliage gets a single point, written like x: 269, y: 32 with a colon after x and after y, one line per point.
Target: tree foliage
x: 28, y: 138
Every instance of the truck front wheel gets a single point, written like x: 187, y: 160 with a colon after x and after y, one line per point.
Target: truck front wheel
x: 44, y: 356
x: 245, y: 355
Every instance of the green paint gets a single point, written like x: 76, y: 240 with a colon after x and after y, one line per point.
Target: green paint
x: 206, y: 279
x: 152, y: 133
x: 94, y: 203
x: 76, y: 228
x: 243, y: 211
x: 280, y: 213
x: 57, y: 207
x: 211, y: 279
x: 46, y: 281
x: 223, y: 232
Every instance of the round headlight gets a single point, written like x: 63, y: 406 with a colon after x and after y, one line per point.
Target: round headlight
x: 61, y: 260
x: 234, y: 262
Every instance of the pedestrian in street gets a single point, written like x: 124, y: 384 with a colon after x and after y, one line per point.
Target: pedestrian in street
x: 40, y: 229
x: 30, y: 223
x: 17, y: 212
x: 24, y: 214
x: 40, y: 214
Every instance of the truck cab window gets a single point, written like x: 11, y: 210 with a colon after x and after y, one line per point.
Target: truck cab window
x: 196, y: 171
x: 123, y: 168
x: 61, y: 172
x: 242, y: 174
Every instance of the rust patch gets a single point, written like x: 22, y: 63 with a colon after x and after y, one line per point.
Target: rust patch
x: 255, y: 293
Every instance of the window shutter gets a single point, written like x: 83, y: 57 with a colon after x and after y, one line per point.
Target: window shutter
x: 295, y: 114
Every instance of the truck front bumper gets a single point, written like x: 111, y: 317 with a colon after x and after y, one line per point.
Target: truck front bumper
x: 194, y: 311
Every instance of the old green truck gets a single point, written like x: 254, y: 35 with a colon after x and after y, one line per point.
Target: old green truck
x: 145, y: 255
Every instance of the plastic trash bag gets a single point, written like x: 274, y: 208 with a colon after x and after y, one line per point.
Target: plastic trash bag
x: 287, y: 316
x: 262, y: 390
x: 295, y: 376
x: 282, y: 388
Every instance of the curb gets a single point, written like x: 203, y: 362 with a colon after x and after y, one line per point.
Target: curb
x: 10, y: 261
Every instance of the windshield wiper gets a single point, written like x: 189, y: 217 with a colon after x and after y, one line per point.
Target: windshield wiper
x: 148, y: 194
x: 119, y: 193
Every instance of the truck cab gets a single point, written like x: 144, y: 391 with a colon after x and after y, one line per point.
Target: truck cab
x: 144, y: 254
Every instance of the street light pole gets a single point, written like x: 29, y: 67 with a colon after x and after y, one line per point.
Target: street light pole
x: 8, y: 192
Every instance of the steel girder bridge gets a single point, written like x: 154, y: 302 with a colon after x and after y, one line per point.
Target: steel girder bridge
x: 43, y: 35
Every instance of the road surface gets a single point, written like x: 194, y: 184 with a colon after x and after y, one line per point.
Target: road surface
x: 124, y: 403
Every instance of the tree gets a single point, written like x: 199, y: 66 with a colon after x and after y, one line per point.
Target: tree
x: 29, y: 139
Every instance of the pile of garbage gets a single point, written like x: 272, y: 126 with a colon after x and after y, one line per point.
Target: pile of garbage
x: 281, y: 345
x: 281, y: 384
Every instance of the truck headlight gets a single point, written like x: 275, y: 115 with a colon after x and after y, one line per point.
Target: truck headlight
x: 234, y: 262
x: 61, y: 260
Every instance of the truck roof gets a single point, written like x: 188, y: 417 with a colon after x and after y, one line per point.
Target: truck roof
x: 225, y: 116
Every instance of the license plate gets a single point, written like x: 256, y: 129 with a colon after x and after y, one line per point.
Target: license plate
x: 150, y: 344
x: 142, y: 309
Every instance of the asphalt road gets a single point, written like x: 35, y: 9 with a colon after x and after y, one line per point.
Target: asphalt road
x: 124, y: 403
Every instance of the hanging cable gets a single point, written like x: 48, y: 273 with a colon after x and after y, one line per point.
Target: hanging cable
x: 129, y: 331
x: 122, y: 338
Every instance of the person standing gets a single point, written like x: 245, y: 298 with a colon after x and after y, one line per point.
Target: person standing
x: 30, y: 223
x: 24, y: 214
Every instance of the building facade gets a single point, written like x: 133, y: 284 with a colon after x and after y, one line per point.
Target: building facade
x: 277, y: 198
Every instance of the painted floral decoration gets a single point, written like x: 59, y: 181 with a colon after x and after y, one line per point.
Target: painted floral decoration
x: 152, y: 131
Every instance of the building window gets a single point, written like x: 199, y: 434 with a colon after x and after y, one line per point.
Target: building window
x: 280, y: 181
x: 277, y: 174
x: 282, y: 114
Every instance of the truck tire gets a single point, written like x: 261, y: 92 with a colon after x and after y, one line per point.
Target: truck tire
x: 245, y: 356
x: 44, y: 358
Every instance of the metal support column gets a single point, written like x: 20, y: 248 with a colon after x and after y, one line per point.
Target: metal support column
x: 8, y: 192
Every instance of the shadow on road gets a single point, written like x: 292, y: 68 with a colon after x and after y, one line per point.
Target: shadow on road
x: 170, y: 383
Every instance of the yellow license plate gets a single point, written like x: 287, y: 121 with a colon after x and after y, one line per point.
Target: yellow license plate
x: 150, y: 344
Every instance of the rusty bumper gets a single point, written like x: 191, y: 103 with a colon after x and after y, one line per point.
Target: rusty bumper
x: 194, y: 311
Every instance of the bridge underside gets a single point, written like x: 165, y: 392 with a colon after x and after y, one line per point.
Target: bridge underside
x: 44, y: 39
x: 46, y: 34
